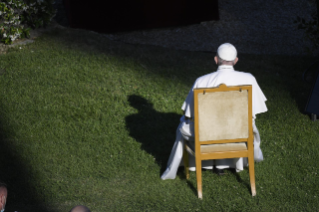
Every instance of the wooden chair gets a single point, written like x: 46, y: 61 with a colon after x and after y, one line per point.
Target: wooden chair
x: 223, y: 128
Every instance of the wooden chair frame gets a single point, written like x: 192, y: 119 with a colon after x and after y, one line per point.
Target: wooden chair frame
x: 199, y: 156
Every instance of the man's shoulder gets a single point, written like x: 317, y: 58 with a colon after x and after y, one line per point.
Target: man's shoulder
x: 204, y: 77
x: 247, y: 74
x: 243, y: 76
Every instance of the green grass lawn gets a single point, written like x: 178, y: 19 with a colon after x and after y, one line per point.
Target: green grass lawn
x: 84, y: 120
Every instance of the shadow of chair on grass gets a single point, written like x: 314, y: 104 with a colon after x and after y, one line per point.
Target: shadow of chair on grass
x: 154, y: 130
x: 193, y: 186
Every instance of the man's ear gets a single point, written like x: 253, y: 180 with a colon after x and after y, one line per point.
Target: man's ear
x: 2, y: 200
x: 216, y: 59
x: 236, y: 60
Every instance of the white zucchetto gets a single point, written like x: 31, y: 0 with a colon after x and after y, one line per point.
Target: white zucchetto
x: 227, y: 52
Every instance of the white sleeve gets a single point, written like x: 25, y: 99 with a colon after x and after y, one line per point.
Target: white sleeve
x: 259, y: 99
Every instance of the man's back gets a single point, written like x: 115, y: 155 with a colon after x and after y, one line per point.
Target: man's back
x: 227, y: 75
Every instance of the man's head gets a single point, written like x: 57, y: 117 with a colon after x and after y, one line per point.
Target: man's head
x: 80, y: 208
x: 226, y: 55
x: 3, y: 196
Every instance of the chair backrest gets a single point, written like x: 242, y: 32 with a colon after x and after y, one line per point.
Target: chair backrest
x: 223, y: 128
x: 223, y: 113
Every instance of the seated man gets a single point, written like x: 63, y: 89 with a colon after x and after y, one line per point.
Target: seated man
x: 226, y: 58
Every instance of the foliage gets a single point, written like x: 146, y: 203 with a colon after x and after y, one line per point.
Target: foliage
x: 17, y: 16
x: 40, y: 13
x: 311, y: 29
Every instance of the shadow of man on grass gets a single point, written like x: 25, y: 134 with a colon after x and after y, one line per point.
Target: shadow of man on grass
x: 154, y: 130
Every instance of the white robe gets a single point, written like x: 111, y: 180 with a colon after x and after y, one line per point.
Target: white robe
x: 230, y: 77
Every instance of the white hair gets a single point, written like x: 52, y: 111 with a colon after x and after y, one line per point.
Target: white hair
x: 224, y: 62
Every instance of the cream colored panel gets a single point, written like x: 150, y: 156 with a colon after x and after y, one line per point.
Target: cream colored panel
x: 209, y: 148
x: 223, y: 147
x: 223, y: 115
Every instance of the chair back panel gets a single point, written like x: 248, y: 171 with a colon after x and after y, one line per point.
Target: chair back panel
x: 223, y: 115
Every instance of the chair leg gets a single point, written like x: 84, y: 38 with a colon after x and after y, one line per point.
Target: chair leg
x: 186, y: 162
x: 199, y: 177
x: 251, y: 166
